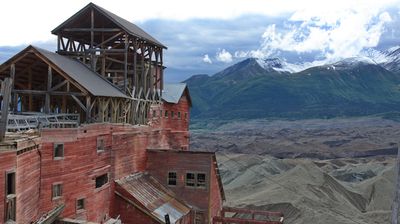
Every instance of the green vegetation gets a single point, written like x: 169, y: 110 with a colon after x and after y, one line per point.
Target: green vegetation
x: 247, y: 91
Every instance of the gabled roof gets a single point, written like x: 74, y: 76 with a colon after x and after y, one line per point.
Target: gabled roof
x: 119, y: 21
x: 91, y: 81
x: 172, y: 93
x: 153, y: 197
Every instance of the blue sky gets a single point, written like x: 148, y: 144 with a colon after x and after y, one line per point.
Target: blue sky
x: 208, y: 36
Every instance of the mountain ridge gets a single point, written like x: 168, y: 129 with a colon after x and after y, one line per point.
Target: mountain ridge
x: 246, y: 90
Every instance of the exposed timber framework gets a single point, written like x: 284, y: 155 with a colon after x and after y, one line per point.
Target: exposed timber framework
x: 120, y: 52
x: 106, y: 69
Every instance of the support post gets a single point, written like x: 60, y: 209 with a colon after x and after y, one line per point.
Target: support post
x: 47, y: 99
x: 30, y: 98
x: 88, y: 109
x: 92, y: 52
x: 126, y: 63
x: 6, y: 92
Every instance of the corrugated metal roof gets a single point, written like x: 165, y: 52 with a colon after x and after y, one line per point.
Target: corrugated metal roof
x: 123, y: 23
x: 153, y: 196
x: 173, y: 92
x: 91, y: 81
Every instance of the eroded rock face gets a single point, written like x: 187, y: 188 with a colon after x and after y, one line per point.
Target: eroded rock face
x: 311, y: 191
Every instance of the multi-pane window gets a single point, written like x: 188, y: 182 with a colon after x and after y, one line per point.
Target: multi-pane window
x: 80, y: 204
x: 201, y: 180
x: 101, y: 180
x: 196, y: 180
x: 172, y: 114
x: 190, y: 179
x: 58, y: 152
x: 171, y: 178
x: 179, y: 115
x: 57, y: 190
x: 166, y: 113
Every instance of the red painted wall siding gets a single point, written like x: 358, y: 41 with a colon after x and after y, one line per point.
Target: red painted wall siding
x: 27, y: 186
x: 77, y: 171
x: 215, y: 194
x: 7, y: 163
x: 159, y: 163
x: 128, y: 212
x: 129, y: 152
x: 177, y: 128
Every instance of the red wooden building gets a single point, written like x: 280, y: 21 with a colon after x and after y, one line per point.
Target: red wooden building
x: 90, y: 133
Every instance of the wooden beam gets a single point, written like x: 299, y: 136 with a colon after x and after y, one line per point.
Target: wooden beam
x: 92, y: 29
x: 116, y: 60
x: 79, y: 103
x: 92, y: 39
x: 88, y: 107
x: 14, y: 96
x: 49, y: 82
x: 59, y: 85
x: 30, y: 100
x: 43, y: 92
x: 126, y: 63
x: 109, y: 39
x: 6, y: 86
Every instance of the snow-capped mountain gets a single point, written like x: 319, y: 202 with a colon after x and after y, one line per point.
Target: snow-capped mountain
x: 389, y: 59
x: 276, y: 64
x: 393, y: 59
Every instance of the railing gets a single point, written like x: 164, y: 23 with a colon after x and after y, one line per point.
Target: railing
x: 27, y: 121
x: 249, y: 217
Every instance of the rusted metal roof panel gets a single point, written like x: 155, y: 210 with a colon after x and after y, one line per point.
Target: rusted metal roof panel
x: 153, y: 196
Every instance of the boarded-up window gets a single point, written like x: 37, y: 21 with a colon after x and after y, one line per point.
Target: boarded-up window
x: 100, y: 144
x: 101, y: 180
x: 171, y: 178
x: 190, y: 179
x: 57, y: 190
x: 199, y: 218
x: 58, y: 152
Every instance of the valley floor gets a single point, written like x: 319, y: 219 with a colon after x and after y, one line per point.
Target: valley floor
x: 317, y: 138
x: 315, y: 171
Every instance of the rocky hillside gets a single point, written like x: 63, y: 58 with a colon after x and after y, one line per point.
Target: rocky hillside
x: 321, y: 192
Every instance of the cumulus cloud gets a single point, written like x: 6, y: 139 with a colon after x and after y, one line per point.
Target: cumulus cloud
x: 332, y: 35
x: 223, y: 56
x: 207, y: 59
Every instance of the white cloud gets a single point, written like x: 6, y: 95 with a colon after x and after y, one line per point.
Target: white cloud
x: 333, y: 34
x: 223, y: 56
x: 207, y: 59
x: 37, y: 22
